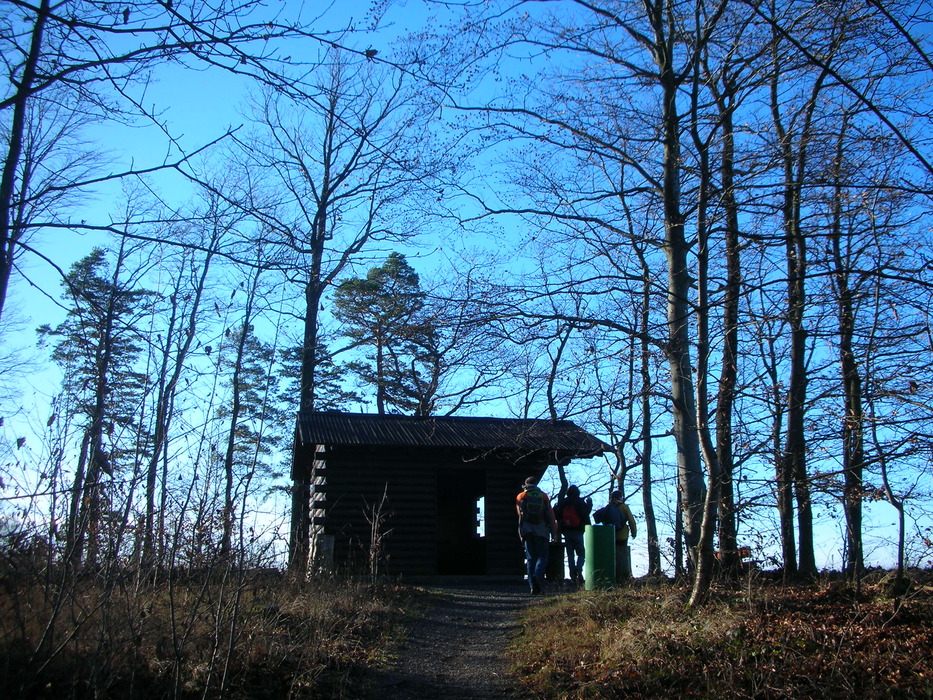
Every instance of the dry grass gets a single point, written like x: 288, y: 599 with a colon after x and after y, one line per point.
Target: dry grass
x: 249, y: 636
x: 257, y: 636
x: 773, y: 641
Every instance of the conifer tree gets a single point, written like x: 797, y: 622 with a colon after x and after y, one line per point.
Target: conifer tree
x: 97, y: 346
x: 256, y: 424
x: 384, y: 313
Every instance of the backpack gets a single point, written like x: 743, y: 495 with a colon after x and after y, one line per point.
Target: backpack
x: 609, y: 515
x: 569, y: 517
x: 532, y: 506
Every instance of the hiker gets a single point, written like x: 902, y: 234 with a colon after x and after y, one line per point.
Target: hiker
x: 617, y: 514
x: 536, y: 523
x: 573, y: 515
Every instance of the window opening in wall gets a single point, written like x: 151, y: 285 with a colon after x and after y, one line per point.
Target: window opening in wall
x: 460, y: 521
x: 481, y: 516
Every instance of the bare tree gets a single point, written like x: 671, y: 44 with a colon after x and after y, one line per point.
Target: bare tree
x: 727, y: 73
x: 184, y: 313
x: 97, y: 58
x: 334, y: 174
x: 637, y: 45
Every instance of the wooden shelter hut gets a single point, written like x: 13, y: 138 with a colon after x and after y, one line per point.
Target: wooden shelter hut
x: 426, y: 495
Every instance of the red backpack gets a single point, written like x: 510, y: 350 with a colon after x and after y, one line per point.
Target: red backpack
x: 569, y: 517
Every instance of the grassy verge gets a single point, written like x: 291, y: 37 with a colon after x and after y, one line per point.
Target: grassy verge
x: 816, y: 641
x: 235, y: 637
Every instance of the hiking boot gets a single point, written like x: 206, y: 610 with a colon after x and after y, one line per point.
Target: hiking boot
x: 535, y: 587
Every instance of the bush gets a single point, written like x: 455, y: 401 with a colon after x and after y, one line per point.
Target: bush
x: 780, y: 642
x: 241, y: 634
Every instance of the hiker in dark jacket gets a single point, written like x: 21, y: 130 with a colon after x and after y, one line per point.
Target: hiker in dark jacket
x: 535, y: 524
x: 617, y: 514
x: 573, y: 515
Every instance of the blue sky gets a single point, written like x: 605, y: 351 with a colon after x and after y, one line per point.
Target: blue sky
x: 199, y: 106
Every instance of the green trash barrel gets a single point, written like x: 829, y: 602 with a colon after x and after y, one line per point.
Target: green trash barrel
x: 599, y: 544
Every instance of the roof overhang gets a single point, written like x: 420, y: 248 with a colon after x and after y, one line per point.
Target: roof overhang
x: 560, y: 440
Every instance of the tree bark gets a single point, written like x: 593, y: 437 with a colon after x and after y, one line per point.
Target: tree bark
x: 853, y: 447
x: 679, y: 313
x: 9, y: 234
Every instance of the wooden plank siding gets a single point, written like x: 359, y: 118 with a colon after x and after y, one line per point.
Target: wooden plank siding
x: 504, y: 548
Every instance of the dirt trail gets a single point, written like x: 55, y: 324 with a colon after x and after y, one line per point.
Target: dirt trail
x: 456, y: 647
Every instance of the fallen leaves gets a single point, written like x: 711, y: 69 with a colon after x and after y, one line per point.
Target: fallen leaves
x: 777, y: 641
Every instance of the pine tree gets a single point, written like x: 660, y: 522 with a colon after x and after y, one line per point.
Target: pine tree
x: 97, y: 349
x: 330, y: 390
x: 256, y: 424
x: 384, y: 312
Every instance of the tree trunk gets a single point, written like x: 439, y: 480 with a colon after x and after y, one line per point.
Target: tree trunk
x: 690, y: 472
x: 226, y: 542
x: 381, y: 377
x: 853, y: 456
x: 792, y: 471
x: 728, y: 545
x: 705, y: 551
x: 853, y: 447
x: 300, y: 530
x: 702, y: 577
x: 651, y: 525
x: 74, y: 532
x: 9, y: 234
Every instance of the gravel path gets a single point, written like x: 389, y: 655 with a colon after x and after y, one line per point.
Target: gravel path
x: 456, y: 644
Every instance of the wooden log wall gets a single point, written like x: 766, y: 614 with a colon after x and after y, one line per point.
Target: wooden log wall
x: 357, y: 478
x: 504, y: 548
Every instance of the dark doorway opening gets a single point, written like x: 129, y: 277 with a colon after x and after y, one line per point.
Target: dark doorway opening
x: 461, y: 545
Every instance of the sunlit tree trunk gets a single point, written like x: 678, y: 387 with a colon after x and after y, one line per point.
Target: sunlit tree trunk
x: 679, y: 311
x: 704, y: 550
x: 853, y: 449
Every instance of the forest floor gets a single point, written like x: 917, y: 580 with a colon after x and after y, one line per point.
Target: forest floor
x: 255, y: 635
x: 754, y: 639
x: 454, y: 643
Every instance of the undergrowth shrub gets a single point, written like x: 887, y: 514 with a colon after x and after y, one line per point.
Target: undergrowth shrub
x: 813, y: 641
x: 239, y: 634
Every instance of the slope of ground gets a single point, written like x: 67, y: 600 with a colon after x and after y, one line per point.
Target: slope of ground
x: 455, y: 643
x: 766, y: 639
x: 758, y: 639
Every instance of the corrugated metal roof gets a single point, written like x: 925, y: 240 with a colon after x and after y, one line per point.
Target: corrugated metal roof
x: 447, y: 431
